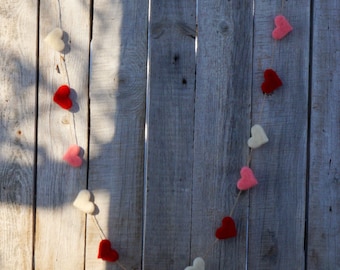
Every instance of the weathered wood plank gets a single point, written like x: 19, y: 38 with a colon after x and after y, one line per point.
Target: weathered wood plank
x: 117, y: 92
x: 277, y: 204
x: 18, y: 70
x: 222, y: 123
x: 324, y: 187
x: 60, y: 228
x: 170, y: 134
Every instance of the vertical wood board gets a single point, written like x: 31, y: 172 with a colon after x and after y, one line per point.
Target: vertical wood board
x: 60, y: 227
x: 277, y: 204
x: 18, y: 70
x: 117, y: 100
x: 170, y: 134
x: 324, y: 188
x: 222, y: 122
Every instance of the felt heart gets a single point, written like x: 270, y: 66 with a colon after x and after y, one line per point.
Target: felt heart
x: 247, y: 179
x: 282, y: 29
x: 106, y: 253
x: 258, y: 137
x: 227, y: 230
x: 198, y: 264
x: 83, y: 202
x: 72, y: 156
x: 61, y: 97
x: 54, y: 39
x: 271, y: 81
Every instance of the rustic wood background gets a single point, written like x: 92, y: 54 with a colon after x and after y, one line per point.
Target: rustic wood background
x: 166, y: 93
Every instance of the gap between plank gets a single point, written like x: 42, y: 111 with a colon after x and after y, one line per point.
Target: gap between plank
x: 146, y: 134
x: 308, y: 143
x: 35, y: 158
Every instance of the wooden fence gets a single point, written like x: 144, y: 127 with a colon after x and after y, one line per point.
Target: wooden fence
x: 165, y: 93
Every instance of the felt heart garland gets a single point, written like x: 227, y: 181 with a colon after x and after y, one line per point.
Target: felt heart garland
x: 106, y: 252
x: 258, y: 137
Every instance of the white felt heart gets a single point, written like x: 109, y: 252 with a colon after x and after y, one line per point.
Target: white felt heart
x: 54, y: 40
x: 198, y: 264
x: 258, y: 137
x: 83, y: 202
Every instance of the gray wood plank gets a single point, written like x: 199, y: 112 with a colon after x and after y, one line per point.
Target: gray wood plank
x: 277, y: 204
x: 170, y: 134
x: 117, y: 93
x: 324, y: 187
x: 222, y: 124
x: 60, y: 227
x: 18, y: 71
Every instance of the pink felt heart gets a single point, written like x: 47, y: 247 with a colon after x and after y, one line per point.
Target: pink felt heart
x: 247, y: 179
x: 282, y: 28
x: 72, y: 156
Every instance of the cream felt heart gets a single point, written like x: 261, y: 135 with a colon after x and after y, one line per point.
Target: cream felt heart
x: 198, y: 264
x: 83, y: 202
x: 258, y: 137
x: 54, y: 40
x: 247, y: 179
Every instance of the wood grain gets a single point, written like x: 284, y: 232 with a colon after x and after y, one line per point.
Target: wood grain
x: 117, y: 92
x: 324, y: 188
x: 170, y: 134
x: 17, y: 133
x: 222, y: 124
x: 60, y: 227
x: 277, y: 204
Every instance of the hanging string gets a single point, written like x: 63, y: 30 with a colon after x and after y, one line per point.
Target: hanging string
x: 65, y: 73
x: 121, y: 266
x: 234, y: 206
x: 282, y: 5
x: 102, y: 235
x: 64, y: 67
x: 67, y: 79
x: 59, y: 14
x: 210, y: 248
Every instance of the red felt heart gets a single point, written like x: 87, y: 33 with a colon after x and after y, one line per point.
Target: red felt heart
x: 271, y: 81
x: 106, y: 253
x: 61, y: 97
x: 227, y: 230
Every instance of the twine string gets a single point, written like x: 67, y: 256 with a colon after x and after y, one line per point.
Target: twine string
x: 211, y: 247
x: 121, y: 265
x: 67, y: 79
x: 234, y: 206
x: 101, y: 233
